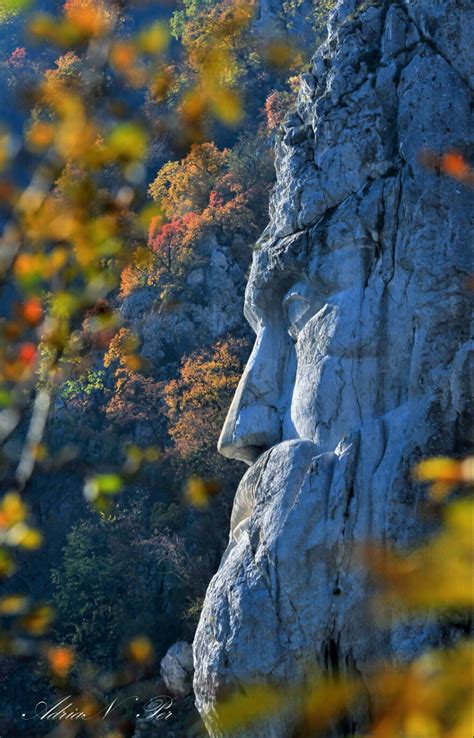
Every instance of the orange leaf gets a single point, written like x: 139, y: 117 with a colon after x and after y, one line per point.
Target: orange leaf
x: 27, y: 353
x: 32, y: 311
x: 453, y: 164
x: 60, y: 660
x: 140, y: 650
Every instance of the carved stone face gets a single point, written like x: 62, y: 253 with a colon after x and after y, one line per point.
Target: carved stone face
x: 360, y: 361
x: 304, y: 301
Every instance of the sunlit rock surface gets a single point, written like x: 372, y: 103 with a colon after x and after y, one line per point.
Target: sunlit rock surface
x: 176, y: 669
x: 358, y: 296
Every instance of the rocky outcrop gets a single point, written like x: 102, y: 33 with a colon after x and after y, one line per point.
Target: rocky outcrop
x: 208, y: 306
x: 176, y: 669
x: 290, y: 22
x: 365, y: 265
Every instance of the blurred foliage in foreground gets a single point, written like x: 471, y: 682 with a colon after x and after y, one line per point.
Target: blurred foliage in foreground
x: 137, y: 136
x: 80, y: 237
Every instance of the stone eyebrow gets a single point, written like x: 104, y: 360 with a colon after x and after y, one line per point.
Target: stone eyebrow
x: 291, y: 253
x: 277, y: 266
x: 283, y: 260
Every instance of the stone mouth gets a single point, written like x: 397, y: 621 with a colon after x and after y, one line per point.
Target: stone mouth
x: 271, y: 466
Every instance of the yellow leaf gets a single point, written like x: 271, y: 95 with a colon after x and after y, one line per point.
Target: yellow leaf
x: 38, y: 620
x: 198, y: 492
x: 279, y: 54
x: 428, y: 698
x: 437, y: 575
x: 63, y: 227
x: 13, y: 604
x: 100, y: 485
x: 24, y: 536
x: 151, y: 214
x: 193, y: 105
x: 31, y: 540
x: 13, y: 510
x: 11, y: 7
x: 227, y: 106
x: 441, y: 468
x: 247, y: 708
x: 5, y: 145
x: 154, y: 40
x: 326, y: 699
x: 57, y: 259
x: 421, y: 725
x: 140, y: 650
x: 64, y: 305
x: 123, y: 55
x: 128, y: 142
x: 41, y: 135
x: 459, y: 521
x: 133, y: 363
x: 160, y: 85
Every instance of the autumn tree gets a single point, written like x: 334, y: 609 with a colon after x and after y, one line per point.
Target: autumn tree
x: 184, y: 186
x: 172, y: 243
x: 219, y: 69
x: 208, y: 192
x: 137, y: 405
x: 197, y: 402
x: 71, y: 218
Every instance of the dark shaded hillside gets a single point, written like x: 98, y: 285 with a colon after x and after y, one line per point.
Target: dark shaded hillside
x: 153, y: 389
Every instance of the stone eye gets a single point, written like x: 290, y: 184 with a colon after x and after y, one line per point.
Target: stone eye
x: 297, y: 310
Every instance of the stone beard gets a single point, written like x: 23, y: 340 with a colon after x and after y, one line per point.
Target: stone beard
x: 357, y: 296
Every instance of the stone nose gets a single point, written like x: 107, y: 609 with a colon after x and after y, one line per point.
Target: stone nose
x: 253, y: 422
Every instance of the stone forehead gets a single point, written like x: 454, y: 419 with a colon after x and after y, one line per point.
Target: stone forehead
x: 279, y: 260
x: 299, y: 254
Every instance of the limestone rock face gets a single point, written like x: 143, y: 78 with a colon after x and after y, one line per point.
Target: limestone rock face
x: 176, y: 669
x: 291, y: 22
x: 358, y: 297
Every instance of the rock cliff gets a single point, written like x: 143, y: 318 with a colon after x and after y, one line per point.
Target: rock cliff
x: 358, y: 298
x: 208, y: 307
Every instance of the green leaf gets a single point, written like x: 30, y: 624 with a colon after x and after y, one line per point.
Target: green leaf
x: 5, y: 398
x: 102, y: 484
x: 128, y: 142
x: 109, y: 483
x: 12, y: 7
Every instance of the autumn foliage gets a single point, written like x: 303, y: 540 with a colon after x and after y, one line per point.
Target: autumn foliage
x: 185, y: 186
x: 276, y: 108
x: 198, y: 400
x: 87, y: 230
x: 93, y: 17
x: 210, y: 192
